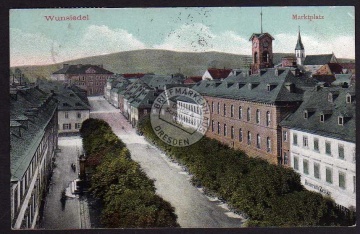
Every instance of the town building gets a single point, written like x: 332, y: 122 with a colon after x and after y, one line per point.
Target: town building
x: 246, y: 109
x: 318, y: 142
x: 33, y: 143
x: 91, y: 78
x: 73, y: 105
x: 157, y: 83
x: 312, y: 63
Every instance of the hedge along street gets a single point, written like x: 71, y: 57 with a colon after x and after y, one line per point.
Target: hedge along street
x: 172, y: 120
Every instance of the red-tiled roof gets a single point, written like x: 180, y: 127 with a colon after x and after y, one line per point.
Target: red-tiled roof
x: 348, y: 65
x: 133, y: 75
x: 335, y: 68
x: 219, y: 73
x: 192, y: 80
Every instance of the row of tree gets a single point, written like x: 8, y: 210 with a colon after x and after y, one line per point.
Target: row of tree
x: 127, y: 194
x: 269, y: 194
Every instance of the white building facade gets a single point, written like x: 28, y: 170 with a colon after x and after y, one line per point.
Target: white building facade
x: 326, y: 165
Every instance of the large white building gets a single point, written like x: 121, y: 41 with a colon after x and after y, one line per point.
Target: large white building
x: 318, y: 142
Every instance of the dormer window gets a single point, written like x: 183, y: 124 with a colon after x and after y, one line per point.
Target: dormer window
x: 330, y: 97
x: 341, y: 120
x: 306, y: 115
x: 349, y: 98
x: 252, y: 85
x: 240, y: 85
x: 270, y: 87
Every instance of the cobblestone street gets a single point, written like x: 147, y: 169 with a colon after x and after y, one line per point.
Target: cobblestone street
x: 73, y: 213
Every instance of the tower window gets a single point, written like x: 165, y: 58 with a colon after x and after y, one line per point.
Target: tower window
x: 255, y: 57
x: 265, y: 57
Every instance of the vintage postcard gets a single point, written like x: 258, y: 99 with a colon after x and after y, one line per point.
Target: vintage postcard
x: 183, y: 117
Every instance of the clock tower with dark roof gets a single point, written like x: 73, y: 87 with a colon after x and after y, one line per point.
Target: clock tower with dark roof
x: 261, y: 51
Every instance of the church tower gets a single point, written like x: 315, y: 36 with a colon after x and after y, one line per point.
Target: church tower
x: 261, y: 51
x: 299, y: 51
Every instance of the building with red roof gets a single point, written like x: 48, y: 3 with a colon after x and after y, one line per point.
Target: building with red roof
x: 216, y: 74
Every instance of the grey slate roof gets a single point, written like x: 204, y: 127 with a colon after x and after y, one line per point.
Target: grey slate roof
x: 81, y: 69
x: 320, y: 59
x: 260, y: 35
x: 319, y: 103
x: 238, y: 87
x: 299, y: 44
x: 68, y: 97
x: 23, y: 147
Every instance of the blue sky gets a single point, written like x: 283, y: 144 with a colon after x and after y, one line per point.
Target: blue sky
x: 34, y: 40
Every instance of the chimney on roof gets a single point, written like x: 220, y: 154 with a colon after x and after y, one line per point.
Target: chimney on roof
x: 290, y: 86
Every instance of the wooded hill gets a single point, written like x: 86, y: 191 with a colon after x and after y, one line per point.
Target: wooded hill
x: 152, y: 61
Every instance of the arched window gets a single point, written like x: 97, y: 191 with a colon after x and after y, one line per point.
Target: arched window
x: 268, y: 118
x: 257, y: 116
x: 232, y: 111
x: 212, y: 107
x: 255, y: 57
x: 218, y: 108
x: 265, y: 57
x: 258, y: 141
x: 240, y: 135
x: 224, y: 109
x: 240, y: 112
x: 268, y: 144
x: 225, y: 130
x: 232, y: 132
x: 249, y: 138
x: 248, y: 114
x: 218, y: 128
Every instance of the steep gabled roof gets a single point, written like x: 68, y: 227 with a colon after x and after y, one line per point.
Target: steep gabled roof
x: 319, y: 59
x: 318, y: 101
x: 24, y: 147
x: 219, y: 73
x: 299, y: 44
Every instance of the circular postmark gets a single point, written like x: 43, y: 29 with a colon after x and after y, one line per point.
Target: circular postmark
x: 180, y: 116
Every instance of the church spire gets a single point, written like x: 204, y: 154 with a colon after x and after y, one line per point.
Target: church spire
x: 299, y: 44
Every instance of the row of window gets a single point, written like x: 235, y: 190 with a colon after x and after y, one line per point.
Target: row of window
x: 189, y: 120
x: 67, y: 126
x: 240, y: 113
x: 82, y: 78
x: 317, y: 174
x: 66, y: 114
x: 190, y: 107
x: 232, y: 135
x: 305, y: 144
